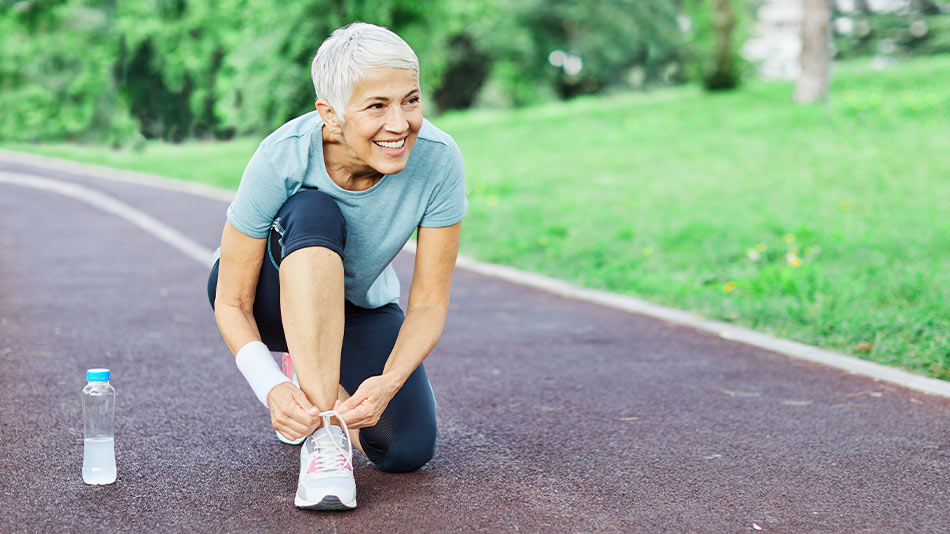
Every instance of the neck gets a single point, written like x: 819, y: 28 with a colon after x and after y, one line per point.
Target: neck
x: 344, y: 167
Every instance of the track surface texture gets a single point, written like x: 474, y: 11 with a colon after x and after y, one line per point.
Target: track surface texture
x: 555, y: 415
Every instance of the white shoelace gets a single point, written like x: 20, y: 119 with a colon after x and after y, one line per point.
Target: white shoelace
x: 337, y: 457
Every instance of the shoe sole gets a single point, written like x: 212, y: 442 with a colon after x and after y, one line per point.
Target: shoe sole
x: 330, y: 502
x: 282, y: 439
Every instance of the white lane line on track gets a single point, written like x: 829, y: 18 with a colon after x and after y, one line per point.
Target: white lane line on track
x: 110, y: 205
x: 793, y: 349
x: 118, y: 175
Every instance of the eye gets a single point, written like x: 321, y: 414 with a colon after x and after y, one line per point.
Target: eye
x: 413, y: 100
x: 375, y: 106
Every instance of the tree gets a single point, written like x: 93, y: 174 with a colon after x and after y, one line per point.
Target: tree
x: 608, y: 40
x: 722, y: 74
x: 56, y: 73
x: 264, y: 78
x: 715, y: 26
x: 813, y: 81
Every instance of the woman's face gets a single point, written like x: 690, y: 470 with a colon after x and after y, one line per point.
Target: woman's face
x: 383, y: 119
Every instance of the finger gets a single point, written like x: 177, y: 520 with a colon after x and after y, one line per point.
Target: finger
x: 364, y: 422
x: 302, y: 428
x: 288, y: 434
x: 304, y: 402
x: 290, y: 410
x: 351, y: 405
x: 301, y: 418
x: 359, y: 415
x: 350, y: 417
x: 355, y: 400
x: 290, y: 430
x: 358, y: 422
x: 296, y: 419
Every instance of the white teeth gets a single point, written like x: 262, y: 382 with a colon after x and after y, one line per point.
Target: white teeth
x: 396, y: 144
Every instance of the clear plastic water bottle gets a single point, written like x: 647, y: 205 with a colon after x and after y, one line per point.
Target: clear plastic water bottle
x: 98, y: 422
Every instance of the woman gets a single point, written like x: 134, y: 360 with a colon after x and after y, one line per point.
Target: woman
x: 325, y: 204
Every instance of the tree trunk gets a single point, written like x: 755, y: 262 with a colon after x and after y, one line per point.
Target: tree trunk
x: 721, y: 72
x: 816, y: 52
x: 927, y: 7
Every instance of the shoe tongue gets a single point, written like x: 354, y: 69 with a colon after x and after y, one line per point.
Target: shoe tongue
x: 335, y: 430
x: 322, y: 436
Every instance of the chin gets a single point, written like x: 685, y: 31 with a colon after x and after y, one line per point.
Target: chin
x: 390, y: 165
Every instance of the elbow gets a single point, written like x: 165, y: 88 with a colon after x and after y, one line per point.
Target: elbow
x: 432, y: 316
x: 218, y: 313
x: 220, y: 316
x: 225, y: 310
x: 434, y: 309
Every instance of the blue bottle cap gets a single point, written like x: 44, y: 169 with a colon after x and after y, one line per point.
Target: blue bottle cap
x: 97, y: 375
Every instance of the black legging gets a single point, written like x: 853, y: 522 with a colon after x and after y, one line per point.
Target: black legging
x: 404, y: 438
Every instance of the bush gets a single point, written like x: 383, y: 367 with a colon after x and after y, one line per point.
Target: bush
x: 919, y: 28
x: 56, y: 75
x: 177, y: 68
x: 611, y: 38
x: 173, y: 69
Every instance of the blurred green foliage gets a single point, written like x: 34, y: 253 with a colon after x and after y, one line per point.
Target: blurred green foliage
x: 113, y: 72
x: 613, y: 38
x: 104, y: 70
x: 55, y: 73
x: 92, y: 69
x: 918, y: 27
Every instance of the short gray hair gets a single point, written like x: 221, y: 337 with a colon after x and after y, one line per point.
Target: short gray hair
x: 349, y: 53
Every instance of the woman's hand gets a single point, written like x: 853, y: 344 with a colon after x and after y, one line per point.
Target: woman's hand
x: 367, y: 404
x: 291, y: 413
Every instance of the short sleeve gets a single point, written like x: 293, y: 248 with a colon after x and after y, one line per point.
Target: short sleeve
x: 261, y: 194
x: 447, y: 205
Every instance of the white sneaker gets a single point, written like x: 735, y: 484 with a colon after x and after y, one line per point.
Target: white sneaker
x: 287, y: 366
x: 326, y: 469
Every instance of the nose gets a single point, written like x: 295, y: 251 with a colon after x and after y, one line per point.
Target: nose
x: 396, y: 120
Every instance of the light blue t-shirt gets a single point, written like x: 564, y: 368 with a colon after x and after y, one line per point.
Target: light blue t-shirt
x: 429, y: 192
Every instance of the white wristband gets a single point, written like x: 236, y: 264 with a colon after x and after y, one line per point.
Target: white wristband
x: 259, y: 369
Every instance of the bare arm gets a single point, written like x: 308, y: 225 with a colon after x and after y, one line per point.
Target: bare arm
x: 428, y: 300
x: 238, y: 269
x: 241, y: 258
x: 425, y: 318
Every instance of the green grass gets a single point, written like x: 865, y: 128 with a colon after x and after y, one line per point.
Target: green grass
x: 829, y: 226
x: 215, y: 163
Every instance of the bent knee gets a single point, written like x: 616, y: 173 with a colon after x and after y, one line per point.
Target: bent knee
x: 312, y: 199
x: 409, y: 451
x: 309, y: 218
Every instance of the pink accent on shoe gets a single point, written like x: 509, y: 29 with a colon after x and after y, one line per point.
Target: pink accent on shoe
x: 315, y: 465
x: 287, y: 365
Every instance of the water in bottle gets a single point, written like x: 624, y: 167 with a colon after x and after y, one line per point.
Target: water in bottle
x: 98, y: 418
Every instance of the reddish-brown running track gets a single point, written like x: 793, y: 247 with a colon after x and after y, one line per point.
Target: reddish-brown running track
x: 554, y: 415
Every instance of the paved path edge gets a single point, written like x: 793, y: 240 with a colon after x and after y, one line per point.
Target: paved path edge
x: 792, y: 349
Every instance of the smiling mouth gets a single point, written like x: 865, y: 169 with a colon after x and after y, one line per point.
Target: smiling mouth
x: 391, y: 145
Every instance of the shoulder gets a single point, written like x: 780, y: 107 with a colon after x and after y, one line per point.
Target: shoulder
x: 289, y: 148
x: 436, y: 144
x: 295, y: 132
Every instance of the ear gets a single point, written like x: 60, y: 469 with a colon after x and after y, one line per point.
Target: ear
x: 328, y: 115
